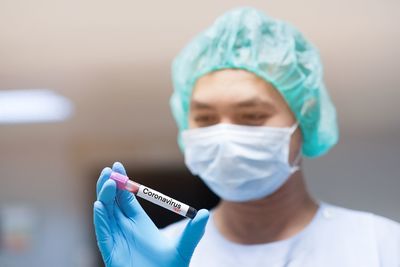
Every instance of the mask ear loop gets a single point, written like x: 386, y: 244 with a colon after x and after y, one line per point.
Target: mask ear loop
x: 307, y: 106
x: 295, y: 165
x: 296, y: 161
x: 294, y: 127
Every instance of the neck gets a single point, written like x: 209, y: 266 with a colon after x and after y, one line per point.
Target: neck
x: 276, y: 217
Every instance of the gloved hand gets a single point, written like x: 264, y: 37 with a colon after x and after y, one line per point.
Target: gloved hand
x: 126, y: 236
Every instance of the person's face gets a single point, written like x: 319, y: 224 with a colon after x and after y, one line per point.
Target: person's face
x: 240, y: 97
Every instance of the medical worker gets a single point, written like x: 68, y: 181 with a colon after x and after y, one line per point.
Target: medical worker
x: 250, y: 102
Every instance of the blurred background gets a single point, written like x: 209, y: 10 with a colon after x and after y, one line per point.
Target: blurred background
x: 107, y: 66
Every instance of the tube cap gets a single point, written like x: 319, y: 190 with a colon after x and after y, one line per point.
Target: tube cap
x: 191, y: 213
x: 120, y: 179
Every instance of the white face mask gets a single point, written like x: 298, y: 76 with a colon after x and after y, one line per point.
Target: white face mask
x: 240, y: 163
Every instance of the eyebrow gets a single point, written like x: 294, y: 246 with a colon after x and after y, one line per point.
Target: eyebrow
x: 200, y: 105
x: 252, y: 102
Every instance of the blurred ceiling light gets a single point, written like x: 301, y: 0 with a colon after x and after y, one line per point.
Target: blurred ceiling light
x: 31, y: 106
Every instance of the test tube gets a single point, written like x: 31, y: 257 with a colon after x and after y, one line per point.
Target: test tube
x: 124, y: 183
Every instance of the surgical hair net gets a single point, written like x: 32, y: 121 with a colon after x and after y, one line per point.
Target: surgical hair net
x: 245, y: 38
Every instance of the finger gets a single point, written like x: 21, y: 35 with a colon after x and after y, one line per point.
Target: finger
x: 192, y: 234
x: 107, y: 196
x: 102, y: 228
x: 122, y: 220
x: 129, y: 204
x: 104, y: 176
x: 126, y: 200
x: 118, y: 167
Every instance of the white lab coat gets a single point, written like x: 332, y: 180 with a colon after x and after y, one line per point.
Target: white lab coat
x: 336, y: 237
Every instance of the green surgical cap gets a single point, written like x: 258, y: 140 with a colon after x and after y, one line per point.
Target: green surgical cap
x: 245, y: 38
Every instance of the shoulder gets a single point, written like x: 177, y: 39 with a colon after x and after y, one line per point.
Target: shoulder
x: 387, y: 233
x: 357, y: 216
x: 384, y: 233
x: 174, y: 229
x: 384, y: 226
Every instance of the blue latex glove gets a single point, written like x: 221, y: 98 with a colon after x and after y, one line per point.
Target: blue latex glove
x: 126, y: 236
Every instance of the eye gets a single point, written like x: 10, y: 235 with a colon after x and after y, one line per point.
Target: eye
x: 205, y: 119
x: 253, y: 118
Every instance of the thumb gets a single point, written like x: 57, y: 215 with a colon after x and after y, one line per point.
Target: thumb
x: 192, y: 234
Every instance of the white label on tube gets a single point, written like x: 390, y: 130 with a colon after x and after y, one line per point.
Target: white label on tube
x: 162, y: 200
